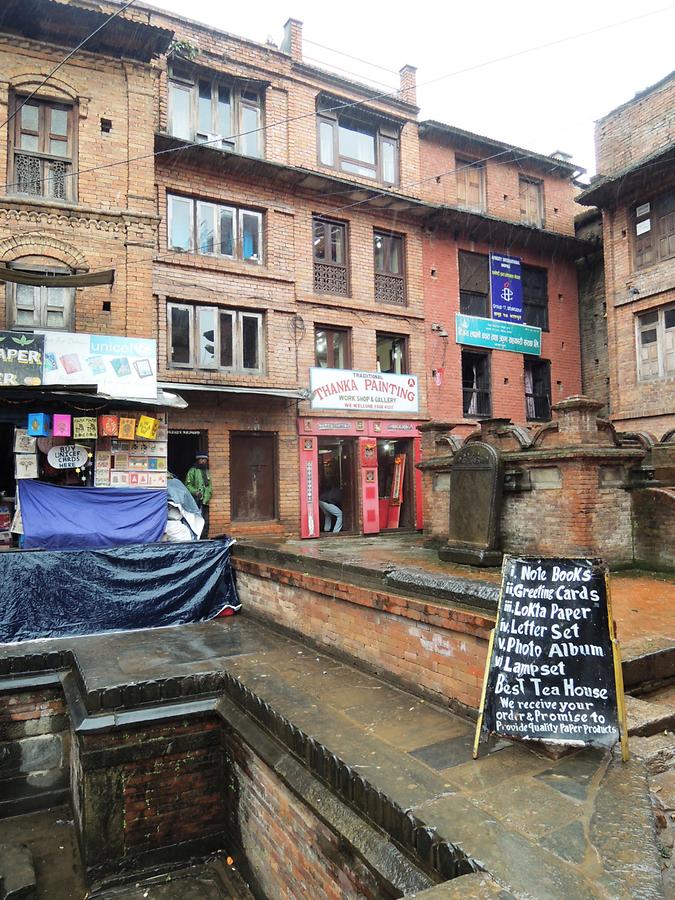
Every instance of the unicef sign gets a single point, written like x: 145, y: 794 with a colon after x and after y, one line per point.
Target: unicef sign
x: 68, y: 456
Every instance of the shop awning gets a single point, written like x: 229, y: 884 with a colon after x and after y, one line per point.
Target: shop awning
x: 290, y: 393
x: 40, y: 279
x: 88, y: 395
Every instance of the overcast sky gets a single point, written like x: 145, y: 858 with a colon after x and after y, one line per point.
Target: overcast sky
x: 545, y: 100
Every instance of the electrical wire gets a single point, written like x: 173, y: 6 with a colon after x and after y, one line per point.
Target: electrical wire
x: 64, y: 61
x: 349, y: 56
x: 370, y: 99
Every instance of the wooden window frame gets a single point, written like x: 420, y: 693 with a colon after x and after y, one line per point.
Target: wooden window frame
x: 189, y: 82
x: 380, y: 137
x: 238, y: 218
x: 655, y: 211
x: 662, y: 336
x: 385, y: 271
x: 479, y: 414
x: 238, y: 316
x: 462, y: 166
x: 532, y: 413
x: 464, y: 292
x: 534, y: 304
x: 42, y: 153
x: 405, y: 339
x: 43, y: 305
x: 343, y: 267
x: 330, y: 350
x: 541, y: 218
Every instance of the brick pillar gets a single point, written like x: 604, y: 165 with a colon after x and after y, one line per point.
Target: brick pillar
x: 292, y: 42
x: 578, y: 421
x: 408, y: 89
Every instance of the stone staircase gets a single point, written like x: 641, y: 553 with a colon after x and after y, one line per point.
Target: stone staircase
x: 17, y: 873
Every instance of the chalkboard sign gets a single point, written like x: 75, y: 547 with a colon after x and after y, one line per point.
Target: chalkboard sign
x: 553, y: 672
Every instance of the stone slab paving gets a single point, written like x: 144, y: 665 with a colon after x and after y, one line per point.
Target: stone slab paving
x: 577, y: 827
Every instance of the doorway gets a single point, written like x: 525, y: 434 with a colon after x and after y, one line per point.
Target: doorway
x: 253, y: 481
x: 395, y: 483
x: 182, y: 449
x: 337, y: 481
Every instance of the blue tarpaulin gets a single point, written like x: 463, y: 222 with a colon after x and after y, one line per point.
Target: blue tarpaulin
x: 56, y: 518
x: 57, y: 593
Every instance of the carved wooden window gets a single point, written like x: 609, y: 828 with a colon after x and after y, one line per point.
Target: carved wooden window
x: 538, y: 390
x: 476, y: 392
x: 332, y: 346
x: 656, y: 343
x: 654, y: 224
x: 225, y: 115
x: 41, y: 162
x: 389, y: 268
x: 329, y: 247
x: 470, y: 177
x: 531, y: 193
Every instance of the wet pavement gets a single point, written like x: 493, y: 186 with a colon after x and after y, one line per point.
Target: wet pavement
x: 581, y: 826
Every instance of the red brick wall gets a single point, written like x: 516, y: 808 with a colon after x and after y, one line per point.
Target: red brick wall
x: 560, y: 344
x: 428, y: 646
x: 654, y: 527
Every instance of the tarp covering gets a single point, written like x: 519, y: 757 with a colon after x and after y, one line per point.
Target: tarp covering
x: 56, y: 518
x: 57, y: 593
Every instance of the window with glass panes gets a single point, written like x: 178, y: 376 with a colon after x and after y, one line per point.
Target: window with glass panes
x: 474, y: 284
x: 42, y: 157
x: 198, y: 226
x: 535, y: 296
x: 476, y: 391
x: 654, y: 230
x: 470, y: 177
x: 538, y: 389
x: 359, y: 146
x: 392, y: 353
x: 329, y: 249
x: 656, y: 343
x: 389, y: 262
x: 332, y: 348
x: 39, y: 306
x: 226, y: 114
x: 212, y: 337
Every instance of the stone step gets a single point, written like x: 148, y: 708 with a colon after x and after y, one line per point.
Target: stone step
x: 647, y: 717
x: 17, y: 873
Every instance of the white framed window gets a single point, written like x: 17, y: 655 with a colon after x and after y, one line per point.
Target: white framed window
x: 358, y: 145
x: 655, y: 336
x: 211, y: 337
x: 225, y: 114
x: 199, y: 226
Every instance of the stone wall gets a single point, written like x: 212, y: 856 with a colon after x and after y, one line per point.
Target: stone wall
x: 654, y: 527
x: 34, y: 748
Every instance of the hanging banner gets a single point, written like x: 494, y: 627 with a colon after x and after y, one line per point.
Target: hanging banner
x: 122, y: 367
x: 553, y: 672
x: 379, y: 391
x: 478, y: 332
x: 506, y: 288
x: 21, y: 357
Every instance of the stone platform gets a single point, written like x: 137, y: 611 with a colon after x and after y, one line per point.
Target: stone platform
x: 578, y: 827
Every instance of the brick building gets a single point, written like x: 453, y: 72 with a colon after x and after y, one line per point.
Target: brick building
x: 635, y: 191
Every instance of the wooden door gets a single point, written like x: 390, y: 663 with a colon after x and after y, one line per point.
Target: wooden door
x: 252, y: 476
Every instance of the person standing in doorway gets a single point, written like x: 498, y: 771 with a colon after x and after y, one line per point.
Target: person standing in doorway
x: 198, y: 482
x: 330, y: 501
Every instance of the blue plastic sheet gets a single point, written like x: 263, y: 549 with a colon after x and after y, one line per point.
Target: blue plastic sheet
x: 57, y: 593
x: 58, y: 517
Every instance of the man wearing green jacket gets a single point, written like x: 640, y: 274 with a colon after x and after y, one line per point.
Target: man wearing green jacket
x: 198, y: 482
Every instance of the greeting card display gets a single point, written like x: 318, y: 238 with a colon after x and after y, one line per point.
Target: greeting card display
x: 23, y: 442
x: 61, y: 425
x: 84, y: 428
x: 127, y: 429
x: 25, y: 465
x: 147, y: 428
x: 157, y: 479
x: 108, y: 426
x: 39, y: 425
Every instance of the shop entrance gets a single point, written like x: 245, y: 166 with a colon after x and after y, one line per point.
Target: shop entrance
x: 182, y: 448
x: 7, y: 459
x: 337, y: 482
x: 395, y: 483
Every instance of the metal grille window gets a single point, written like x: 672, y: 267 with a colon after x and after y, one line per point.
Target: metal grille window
x: 332, y: 348
x: 655, y: 333
x: 470, y: 177
x: 329, y: 240
x: 392, y: 353
x: 359, y: 146
x: 531, y: 194
x: 474, y: 284
x: 210, y: 337
x: 226, y: 115
x: 476, y: 392
x: 196, y: 226
x: 655, y: 230
x: 42, y: 157
x: 389, y: 268
x: 535, y: 297
x: 538, y: 390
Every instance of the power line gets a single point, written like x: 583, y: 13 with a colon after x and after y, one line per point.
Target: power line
x: 370, y: 99
x: 349, y: 56
x: 65, y: 60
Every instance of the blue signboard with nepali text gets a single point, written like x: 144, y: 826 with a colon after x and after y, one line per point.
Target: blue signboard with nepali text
x: 506, y: 288
x: 477, y: 332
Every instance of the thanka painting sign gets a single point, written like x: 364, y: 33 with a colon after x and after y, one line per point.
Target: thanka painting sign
x: 373, y: 391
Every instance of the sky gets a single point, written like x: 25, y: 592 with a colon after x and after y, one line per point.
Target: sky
x: 544, y: 100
